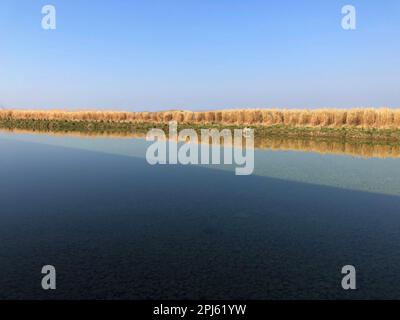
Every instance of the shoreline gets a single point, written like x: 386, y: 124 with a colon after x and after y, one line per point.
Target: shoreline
x: 343, y: 133
x: 276, y: 139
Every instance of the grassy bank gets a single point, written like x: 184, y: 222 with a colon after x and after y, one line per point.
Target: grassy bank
x: 354, y: 124
x: 344, y: 133
x: 76, y: 126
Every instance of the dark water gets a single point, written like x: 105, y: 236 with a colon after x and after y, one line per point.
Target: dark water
x: 115, y: 227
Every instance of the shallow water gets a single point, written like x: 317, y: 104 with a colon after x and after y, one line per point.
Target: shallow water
x: 116, y: 227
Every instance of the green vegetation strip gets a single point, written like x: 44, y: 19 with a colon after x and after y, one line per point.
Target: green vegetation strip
x: 340, y: 134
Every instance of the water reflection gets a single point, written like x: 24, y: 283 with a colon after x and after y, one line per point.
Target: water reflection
x: 363, y: 149
x: 118, y: 228
x: 363, y: 167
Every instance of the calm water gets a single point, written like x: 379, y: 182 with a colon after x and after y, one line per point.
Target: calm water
x: 115, y: 227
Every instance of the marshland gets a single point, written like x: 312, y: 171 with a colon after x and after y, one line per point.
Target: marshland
x: 362, y: 123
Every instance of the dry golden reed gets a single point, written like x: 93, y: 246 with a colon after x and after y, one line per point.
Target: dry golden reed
x: 384, y: 118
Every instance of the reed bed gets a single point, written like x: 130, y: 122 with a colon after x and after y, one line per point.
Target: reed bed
x: 369, y: 118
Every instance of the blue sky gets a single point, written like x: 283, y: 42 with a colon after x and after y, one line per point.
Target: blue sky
x: 187, y: 54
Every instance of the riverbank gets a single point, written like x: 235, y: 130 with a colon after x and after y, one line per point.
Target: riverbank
x: 113, y: 127
x: 382, y: 125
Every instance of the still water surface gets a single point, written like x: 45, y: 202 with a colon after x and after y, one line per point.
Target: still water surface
x: 115, y: 227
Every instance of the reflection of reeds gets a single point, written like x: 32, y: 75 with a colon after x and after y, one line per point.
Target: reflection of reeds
x: 363, y: 117
x: 78, y: 134
x: 366, y: 150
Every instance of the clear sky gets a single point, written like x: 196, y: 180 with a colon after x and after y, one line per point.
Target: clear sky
x: 199, y: 54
